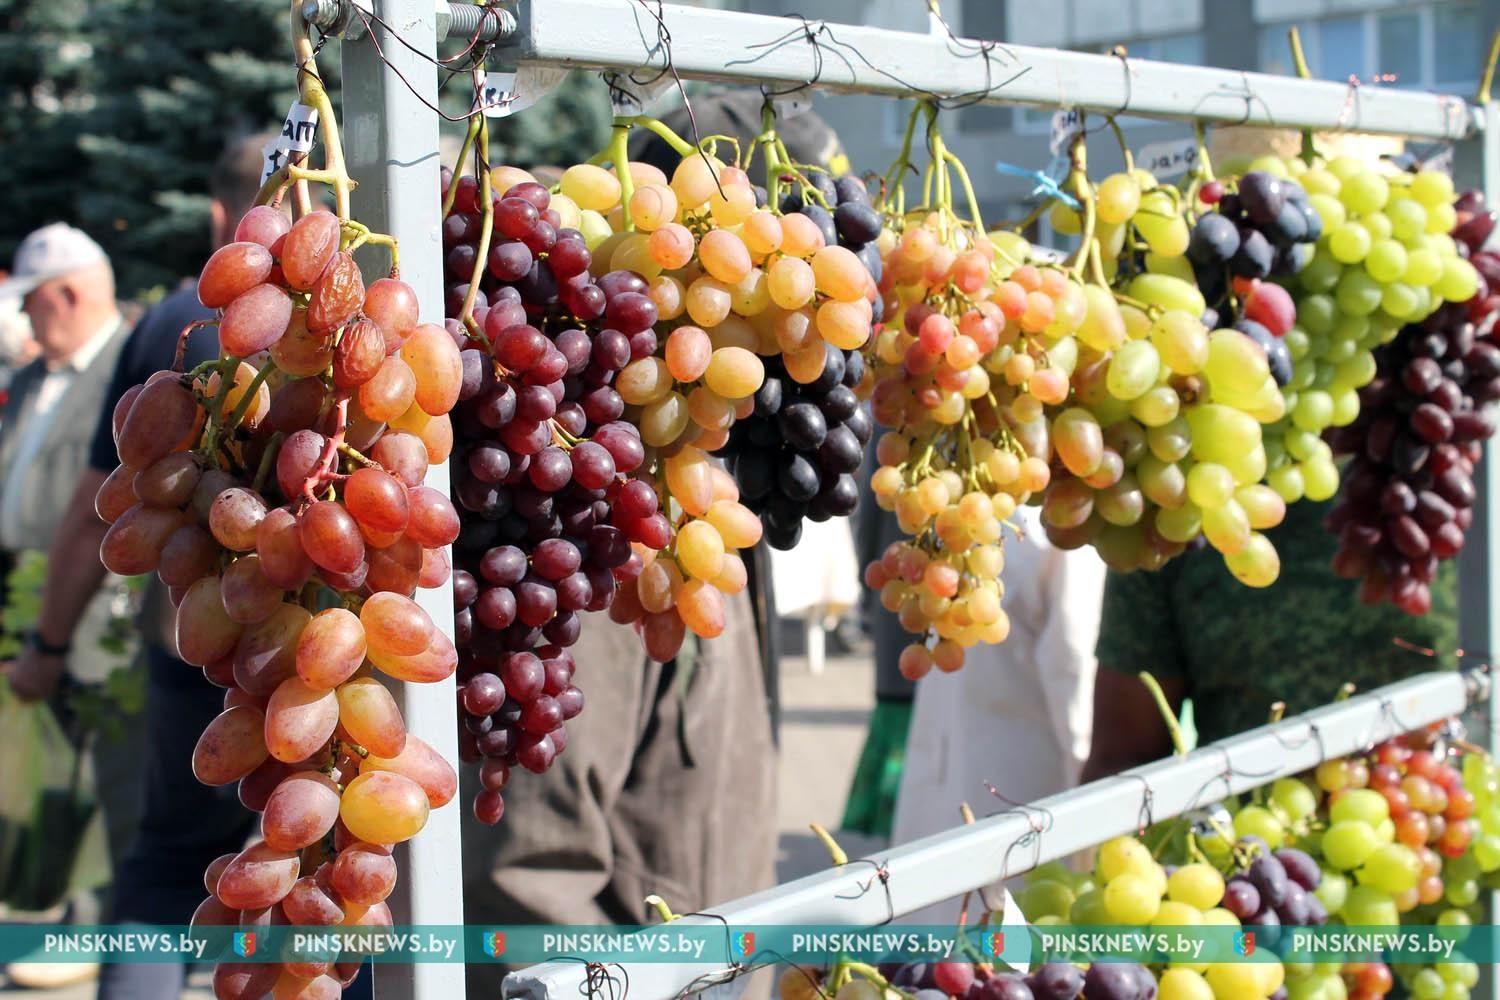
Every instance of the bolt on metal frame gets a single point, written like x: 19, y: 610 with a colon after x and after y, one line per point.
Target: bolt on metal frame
x: 393, y: 150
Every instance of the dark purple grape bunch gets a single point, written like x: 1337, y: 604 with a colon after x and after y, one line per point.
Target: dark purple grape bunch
x: 1409, y: 489
x: 797, y: 456
x: 539, y: 471
x: 1265, y: 227
x: 1276, y: 891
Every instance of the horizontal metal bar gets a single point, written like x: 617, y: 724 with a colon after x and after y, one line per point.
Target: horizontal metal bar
x: 948, y: 864
x: 709, y: 44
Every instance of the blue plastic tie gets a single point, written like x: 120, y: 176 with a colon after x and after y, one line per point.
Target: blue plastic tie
x: 1046, y: 184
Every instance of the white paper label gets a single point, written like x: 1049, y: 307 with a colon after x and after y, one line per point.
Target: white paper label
x: 1168, y: 159
x: 792, y: 105
x: 506, y: 94
x: 498, y: 94
x: 273, y: 158
x: 629, y: 98
x: 1065, y: 125
x: 298, y: 129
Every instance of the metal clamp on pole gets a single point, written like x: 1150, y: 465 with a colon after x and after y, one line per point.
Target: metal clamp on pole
x: 462, y: 20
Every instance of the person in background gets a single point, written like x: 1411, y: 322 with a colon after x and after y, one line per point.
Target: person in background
x: 871, y: 805
x: 1235, y: 650
x: 1016, y: 717
x: 18, y: 347
x: 67, y: 292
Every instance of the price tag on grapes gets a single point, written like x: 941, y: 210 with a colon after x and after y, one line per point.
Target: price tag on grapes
x: 1168, y: 159
x: 298, y: 129
x: 628, y: 98
x: 1065, y: 125
x: 498, y: 94
x: 504, y: 94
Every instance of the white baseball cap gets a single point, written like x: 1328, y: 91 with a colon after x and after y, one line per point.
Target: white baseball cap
x: 50, y: 252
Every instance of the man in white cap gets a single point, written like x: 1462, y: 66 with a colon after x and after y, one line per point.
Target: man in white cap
x: 67, y: 291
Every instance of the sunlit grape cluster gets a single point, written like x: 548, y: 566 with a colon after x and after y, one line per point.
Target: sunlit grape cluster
x: 1384, y: 259
x: 278, y: 492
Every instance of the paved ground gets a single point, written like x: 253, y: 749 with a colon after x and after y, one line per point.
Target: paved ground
x: 823, y: 730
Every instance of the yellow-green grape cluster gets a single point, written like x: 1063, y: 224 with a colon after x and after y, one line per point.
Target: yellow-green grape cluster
x: 1160, y: 438
x: 1129, y: 887
x: 1384, y: 260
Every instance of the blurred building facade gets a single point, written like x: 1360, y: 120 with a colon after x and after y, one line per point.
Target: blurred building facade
x: 1431, y: 45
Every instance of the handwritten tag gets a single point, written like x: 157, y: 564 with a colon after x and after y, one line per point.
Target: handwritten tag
x: 273, y: 158
x: 629, y: 98
x: 498, y: 94
x: 1065, y: 125
x: 1168, y: 159
x: 298, y: 129
x: 506, y: 94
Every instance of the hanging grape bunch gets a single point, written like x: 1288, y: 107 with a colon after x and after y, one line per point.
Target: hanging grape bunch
x: 278, y: 492
x: 1155, y: 439
x: 1383, y: 259
x: 1421, y: 429
x: 614, y: 332
x: 796, y: 455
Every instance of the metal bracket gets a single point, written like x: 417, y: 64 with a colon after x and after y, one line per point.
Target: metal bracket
x: 464, y: 20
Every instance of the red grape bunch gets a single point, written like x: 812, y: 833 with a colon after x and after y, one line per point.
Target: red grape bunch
x: 1423, y: 421
x: 278, y: 492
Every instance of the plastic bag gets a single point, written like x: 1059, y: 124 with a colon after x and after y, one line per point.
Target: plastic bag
x: 46, y: 805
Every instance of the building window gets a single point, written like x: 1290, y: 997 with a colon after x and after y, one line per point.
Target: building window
x: 1429, y: 46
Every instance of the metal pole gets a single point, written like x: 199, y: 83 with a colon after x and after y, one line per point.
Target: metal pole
x: 391, y: 140
x: 944, y: 865
x: 708, y: 44
x: 1478, y: 593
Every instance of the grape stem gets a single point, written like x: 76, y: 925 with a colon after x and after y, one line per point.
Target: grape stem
x: 660, y: 906
x: 619, y: 152
x: 679, y: 145
x: 463, y: 156
x: 313, y: 93
x: 1079, y: 178
x: 1299, y: 66
x: 1482, y: 95
x: 267, y: 461
x: 243, y: 406
x: 1125, y: 155
x: 1179, y: 742
x: 487, y: 221
x: 349, y: 452
x: 326, y: 468
x: 182, y: 339
x: 894, y: 180
x: 834, y: 850
x: 216, y: 409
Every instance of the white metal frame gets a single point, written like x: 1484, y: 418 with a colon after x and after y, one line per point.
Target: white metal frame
x: 392, y: 145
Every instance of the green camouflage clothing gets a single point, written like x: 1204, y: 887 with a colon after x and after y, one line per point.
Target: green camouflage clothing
x: 1239, y: 649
